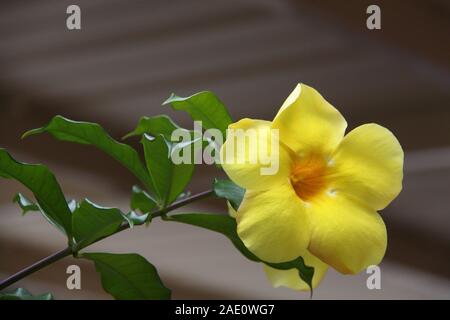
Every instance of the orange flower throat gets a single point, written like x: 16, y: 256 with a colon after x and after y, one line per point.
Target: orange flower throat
x: 308, y: 177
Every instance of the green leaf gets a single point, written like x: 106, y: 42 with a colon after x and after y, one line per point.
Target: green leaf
x: 26, y: 204
x: 230, y: 191
x: 140, y: 200
x: 155, y: 126
x: 45, y: 188
x: 128, y: 276
x: 91, y: 222
x: 93, y: 134
x: 164, y: 125
x: 182, y: 143
x: 170, y: 179
x: 227, y: 226
x: 23, y: 294
x: 203, y: 106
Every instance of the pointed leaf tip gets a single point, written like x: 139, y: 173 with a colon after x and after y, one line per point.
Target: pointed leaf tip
x: 170, y: 99
x: 32, y: 132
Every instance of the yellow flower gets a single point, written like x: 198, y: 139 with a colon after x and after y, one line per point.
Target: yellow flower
x: 322, y: 202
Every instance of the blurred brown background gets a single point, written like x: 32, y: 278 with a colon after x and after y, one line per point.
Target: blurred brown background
x: 130, y: 55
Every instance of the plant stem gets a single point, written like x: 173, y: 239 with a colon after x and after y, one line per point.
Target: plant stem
x: 68, y: 251
x: 35, y: 267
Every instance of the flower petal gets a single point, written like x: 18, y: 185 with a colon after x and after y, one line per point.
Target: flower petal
x: 291, y: 279
x: 308, y: 123
x: 245, y: 160
x: 274, y: 224
x: 369, y: 165
x: 345, y: 234
x: 231, y: 210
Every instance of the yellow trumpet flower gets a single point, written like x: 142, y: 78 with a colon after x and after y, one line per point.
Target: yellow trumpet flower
x: 322, y: 202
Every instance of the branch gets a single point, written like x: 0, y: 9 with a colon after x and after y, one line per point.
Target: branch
x: 68, y: 251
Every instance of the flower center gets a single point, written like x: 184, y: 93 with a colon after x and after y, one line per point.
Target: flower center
x: 308, y: 176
